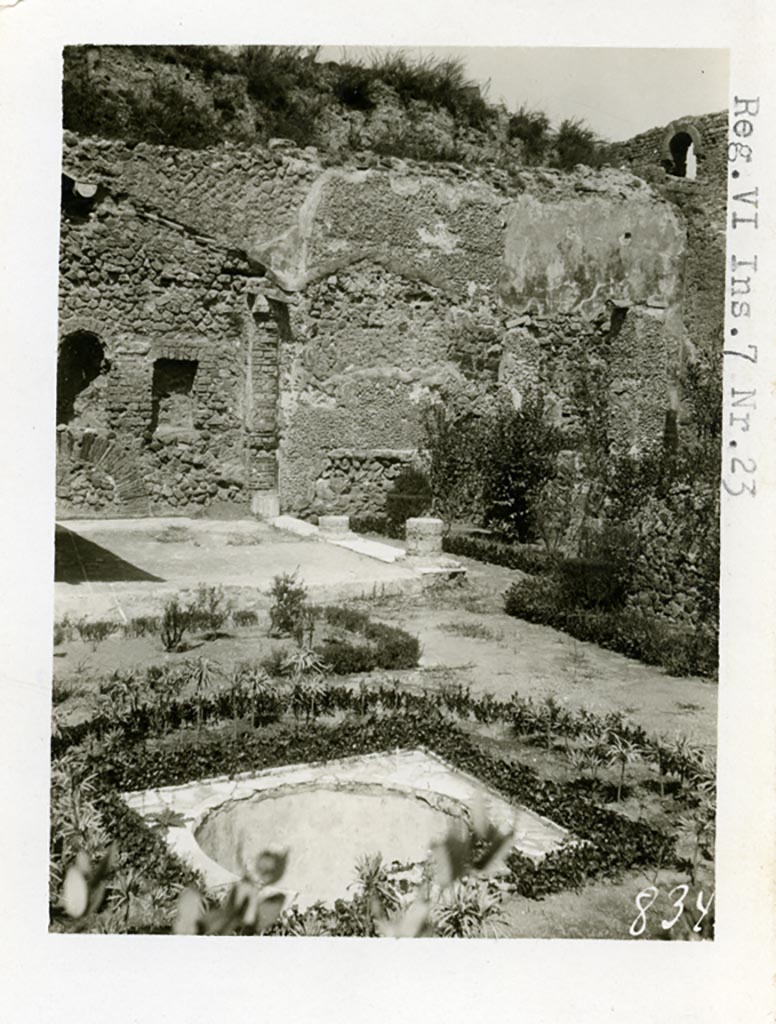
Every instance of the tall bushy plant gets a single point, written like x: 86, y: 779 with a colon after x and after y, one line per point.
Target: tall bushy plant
x: 452, y: 441
x: 532, y: 128
x: 519, y: 455
x: 576, y: 143
x: 289, y: 597
x: 175, y: 621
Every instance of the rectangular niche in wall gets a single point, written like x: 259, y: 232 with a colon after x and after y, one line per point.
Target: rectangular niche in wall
x: 172, y: 404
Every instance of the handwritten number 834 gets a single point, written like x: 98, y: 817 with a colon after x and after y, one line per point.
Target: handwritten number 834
x: 647, y: 897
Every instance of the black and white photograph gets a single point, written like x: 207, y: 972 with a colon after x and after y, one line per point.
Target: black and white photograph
x: 388, y: 458
x: 387, y: 471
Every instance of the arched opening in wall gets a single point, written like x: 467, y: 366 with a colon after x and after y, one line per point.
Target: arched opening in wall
x: 683, y: 156
x: 81, y: 361
x: 172, y: 402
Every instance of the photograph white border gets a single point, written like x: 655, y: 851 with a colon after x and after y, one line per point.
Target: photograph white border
x: 117, y: 978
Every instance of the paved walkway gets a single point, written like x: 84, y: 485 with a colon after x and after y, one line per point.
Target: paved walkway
x: 105, y: 567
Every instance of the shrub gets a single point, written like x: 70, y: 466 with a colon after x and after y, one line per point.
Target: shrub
x: 62, y: 690
x: 513, y: 556
x: 95, y: 632
x: 454, y: 443
x: 395, y: 649
x: 410, y: 496
x: 532, y: 127
x: 589, y: 583
x: 170, y: 117
x: 469, y: 909
x: 377, y: 524
x: 343, y: 658
x: 519, y: 454
x: 440, y: 83
x: 275, y: 663
x: 346, y: 618
x: 143, y: 625
x: 574, y: 144
x: 209, y: 610
x: 285, y: 83
x: 289, y: 597
x: 245, y: 617
x: 353, y: 86
x: 175, y: 622
x: 386, y: 647
x: 678, y: 651
x: 84, y: 109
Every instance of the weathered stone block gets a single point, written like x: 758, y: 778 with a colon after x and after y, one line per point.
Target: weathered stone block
x: 424, y: 536
x: 265, y: 505
x: 333, y: 527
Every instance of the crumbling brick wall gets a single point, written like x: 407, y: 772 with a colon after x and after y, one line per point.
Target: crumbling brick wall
x: 170, y: 422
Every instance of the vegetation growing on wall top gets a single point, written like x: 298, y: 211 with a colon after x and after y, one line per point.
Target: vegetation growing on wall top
x: 201, y: 96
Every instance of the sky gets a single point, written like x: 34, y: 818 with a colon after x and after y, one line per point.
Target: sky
x: 619, y: 92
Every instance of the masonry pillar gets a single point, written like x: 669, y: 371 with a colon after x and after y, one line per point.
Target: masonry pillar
x: 261, y: 404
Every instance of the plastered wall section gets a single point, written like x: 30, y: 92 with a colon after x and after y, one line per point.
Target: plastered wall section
x: 407, y: 286
x: 413, y: 290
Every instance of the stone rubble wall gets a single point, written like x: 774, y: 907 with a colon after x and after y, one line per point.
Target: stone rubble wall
x: 702, y: 204
x: 150, y: 292
x: 238, y: 194
x: 413, y: 290
x: 395, y: 284
x: 411, y: 284
x: 358, y: 479
x: 671, y: 582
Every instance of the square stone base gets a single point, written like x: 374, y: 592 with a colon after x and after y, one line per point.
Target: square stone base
x: 265, y: 505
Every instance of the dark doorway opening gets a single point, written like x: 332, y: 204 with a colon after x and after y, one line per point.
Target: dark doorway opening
x: 682, y: 156
x: 81, y: 360
x: 172, y: 402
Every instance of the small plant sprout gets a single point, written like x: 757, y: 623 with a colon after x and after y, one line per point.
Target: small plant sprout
x: 621, y: 753
x: 175, y: 621
x: 468, y: 909
x: 202, y: 674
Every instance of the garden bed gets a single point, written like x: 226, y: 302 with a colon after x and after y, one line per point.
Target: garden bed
x: 184, y: 742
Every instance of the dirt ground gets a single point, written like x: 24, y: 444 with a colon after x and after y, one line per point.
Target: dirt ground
x: 467, y: 639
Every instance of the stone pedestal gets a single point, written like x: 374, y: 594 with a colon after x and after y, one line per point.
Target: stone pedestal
x: 333, y: 527
x: 424, y: 537
x: 265, y: 504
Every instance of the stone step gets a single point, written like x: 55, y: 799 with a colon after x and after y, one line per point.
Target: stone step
x: 296, y: 526
x: 370, y: 548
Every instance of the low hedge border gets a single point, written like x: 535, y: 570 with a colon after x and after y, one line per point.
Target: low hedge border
x: 613, y: 843
x: 534, y: 561
x: 680, y: 652
x: 386, y: 647
x: 525, y: 716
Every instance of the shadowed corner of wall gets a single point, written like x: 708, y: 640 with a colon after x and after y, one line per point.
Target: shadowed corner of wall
x: 77, y: 560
